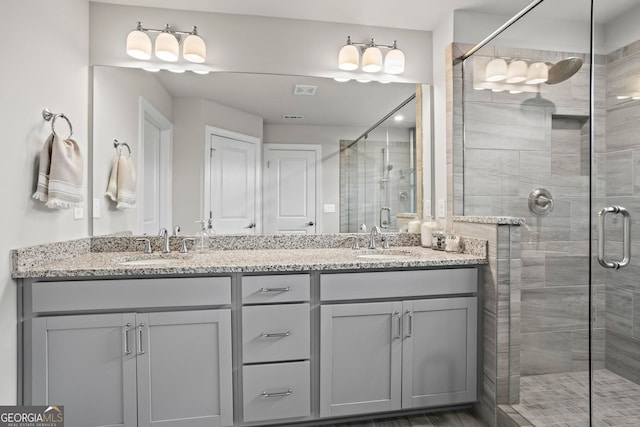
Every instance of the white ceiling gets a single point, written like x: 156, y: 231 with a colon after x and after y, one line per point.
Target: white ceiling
x: 423, y: 15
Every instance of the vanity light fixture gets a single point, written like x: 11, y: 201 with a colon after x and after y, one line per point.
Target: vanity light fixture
x: 372, y: 59
x: 537, y: 73
x: 496, y: 70
x: 167, y: 44
x: 517, y: 71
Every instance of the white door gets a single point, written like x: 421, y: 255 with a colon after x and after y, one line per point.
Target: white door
x: 154, y: 166
x: 291, y: 188
x: 233, y: 197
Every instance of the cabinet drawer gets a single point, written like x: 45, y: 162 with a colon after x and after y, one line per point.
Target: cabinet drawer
x: 398, y: 284
x: 276, y: 391
x: 275, y: 333
x: 119, y: 294
x: 275, y: 288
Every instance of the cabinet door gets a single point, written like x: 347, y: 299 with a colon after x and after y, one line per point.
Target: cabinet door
x: 184, y: 368
x: 81, y: 362
x: 439, y: 352
x: 360, y: 357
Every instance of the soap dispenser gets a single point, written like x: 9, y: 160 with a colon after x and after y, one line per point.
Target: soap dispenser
x: 202, y: 237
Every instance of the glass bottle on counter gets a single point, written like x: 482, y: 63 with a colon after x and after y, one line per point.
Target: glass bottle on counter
x: 202, y: 237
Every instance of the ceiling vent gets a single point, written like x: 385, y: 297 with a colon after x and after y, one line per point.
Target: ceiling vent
x: 292, y: 116
x: 307, y: 90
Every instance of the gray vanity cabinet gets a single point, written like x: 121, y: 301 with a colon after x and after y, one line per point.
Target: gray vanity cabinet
x: 80, y: 362
x: 397, y: 354
x: 360, y: 358
x: 157, y: 358
x: 131, y: 369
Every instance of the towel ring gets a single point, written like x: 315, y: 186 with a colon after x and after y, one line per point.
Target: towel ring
x: 49, y: 116
x: 118, y: 146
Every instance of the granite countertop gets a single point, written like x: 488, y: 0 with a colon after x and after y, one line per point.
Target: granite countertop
x: 104, y: 264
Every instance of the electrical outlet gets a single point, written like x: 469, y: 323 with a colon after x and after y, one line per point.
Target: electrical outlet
x: 96, y: 208
x: 427, y: 208
x: 442, y: 207
x: 78, y: 213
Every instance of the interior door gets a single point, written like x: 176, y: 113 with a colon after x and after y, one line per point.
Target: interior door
x: 291, y: 179
x: 233, y: 205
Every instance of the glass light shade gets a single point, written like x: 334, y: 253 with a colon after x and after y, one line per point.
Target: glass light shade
x: 194, y: 49
x: 496, y: 70
x: 349, y: 58
x: 201, y: 72
x: 341, y: 79
x: 372, y: 60
x: 537, y: 73
x: 515, y: 91
x: 151, y: 69
x: 177, y: 70
x: 517, y: 72
x: 394, y: 62
x: 139, y: 45
x: 167, y: 47
x: 363, y: 80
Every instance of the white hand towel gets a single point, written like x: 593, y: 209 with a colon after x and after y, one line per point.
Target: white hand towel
x: 42, y: 188
x: 60, y: 173
x: 65, y: 174
x: 122, y: 183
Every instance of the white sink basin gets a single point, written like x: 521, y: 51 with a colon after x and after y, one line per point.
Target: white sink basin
x: 151, y: 259
x: 147, y: 262
x: 381, y: 254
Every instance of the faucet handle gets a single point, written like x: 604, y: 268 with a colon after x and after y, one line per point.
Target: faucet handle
x: 147, y: 244
x: 176, y: 230
x: 183, y: 248
x: 355, y: 245
x: 162, y: 231
x: 385, y: 241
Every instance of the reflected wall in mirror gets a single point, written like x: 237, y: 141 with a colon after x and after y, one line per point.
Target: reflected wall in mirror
x: 175, y: 125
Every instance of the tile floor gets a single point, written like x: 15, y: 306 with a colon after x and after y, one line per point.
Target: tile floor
x: 463, y: 418
x: 562, y: 400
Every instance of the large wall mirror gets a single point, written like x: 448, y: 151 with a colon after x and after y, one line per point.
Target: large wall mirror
x: 258, y: 153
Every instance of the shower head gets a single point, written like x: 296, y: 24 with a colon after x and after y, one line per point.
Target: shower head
x: 562, y: 70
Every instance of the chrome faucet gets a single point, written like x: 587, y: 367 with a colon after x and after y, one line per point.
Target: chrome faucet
x: 372, y: 236
x: 165, y: 244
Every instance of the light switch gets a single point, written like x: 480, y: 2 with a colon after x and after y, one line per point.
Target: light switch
x: 329, y: 208
x: 442, y: 208
x: 96, y: 208
x: 78, y: 213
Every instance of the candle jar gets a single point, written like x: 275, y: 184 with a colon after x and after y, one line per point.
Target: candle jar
x: 452, y: 243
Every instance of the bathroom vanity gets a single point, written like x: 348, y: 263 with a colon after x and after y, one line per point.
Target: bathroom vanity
x: 228, y: 338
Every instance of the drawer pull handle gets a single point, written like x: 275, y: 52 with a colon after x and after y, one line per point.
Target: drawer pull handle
x: 278, y: 394
x: 275, y: 334
x: 265, y: 290
x: 127, y: 350
x: 140, y: 328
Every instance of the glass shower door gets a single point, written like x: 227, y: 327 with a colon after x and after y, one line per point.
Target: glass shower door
x: 615, y: 211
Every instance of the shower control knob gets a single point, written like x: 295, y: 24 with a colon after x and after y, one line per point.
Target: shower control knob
x: 310, y: 223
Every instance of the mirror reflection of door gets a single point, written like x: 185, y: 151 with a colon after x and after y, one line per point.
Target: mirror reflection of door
x: 291, y: 188
x: 154, y: 169
x: 232, y: 183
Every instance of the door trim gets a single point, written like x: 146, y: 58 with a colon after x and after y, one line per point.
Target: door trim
x: 153, y: 115
x: 206, y: 188
x: 266, y: 189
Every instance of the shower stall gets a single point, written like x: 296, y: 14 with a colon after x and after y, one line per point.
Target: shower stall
x: 551, y: 133
x: 377, y: 173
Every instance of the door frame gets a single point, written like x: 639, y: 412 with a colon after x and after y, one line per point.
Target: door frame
x: 206, y: 196
x: 152, y: 114
x: 294, y: 147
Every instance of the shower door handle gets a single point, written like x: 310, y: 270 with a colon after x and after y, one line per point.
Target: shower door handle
x: 626, y: 239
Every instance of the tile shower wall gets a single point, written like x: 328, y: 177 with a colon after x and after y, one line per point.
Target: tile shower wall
x: 619, y: 162
x: 365, y: 186
x: 515, y: 143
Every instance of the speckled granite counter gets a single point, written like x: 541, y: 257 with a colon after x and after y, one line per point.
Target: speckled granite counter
x: 94, y: 264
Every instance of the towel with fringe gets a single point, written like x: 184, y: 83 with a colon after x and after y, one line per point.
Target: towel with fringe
x: 122, y: 183
x: 60, y: 174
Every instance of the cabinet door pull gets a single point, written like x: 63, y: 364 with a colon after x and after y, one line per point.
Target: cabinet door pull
x: 126, y: 330
x: 398, y: 317
x: 275, y: 334
x: 140, y: 349
x: 277, y: 394
x: 410, y: 328
x: 264, y: 290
